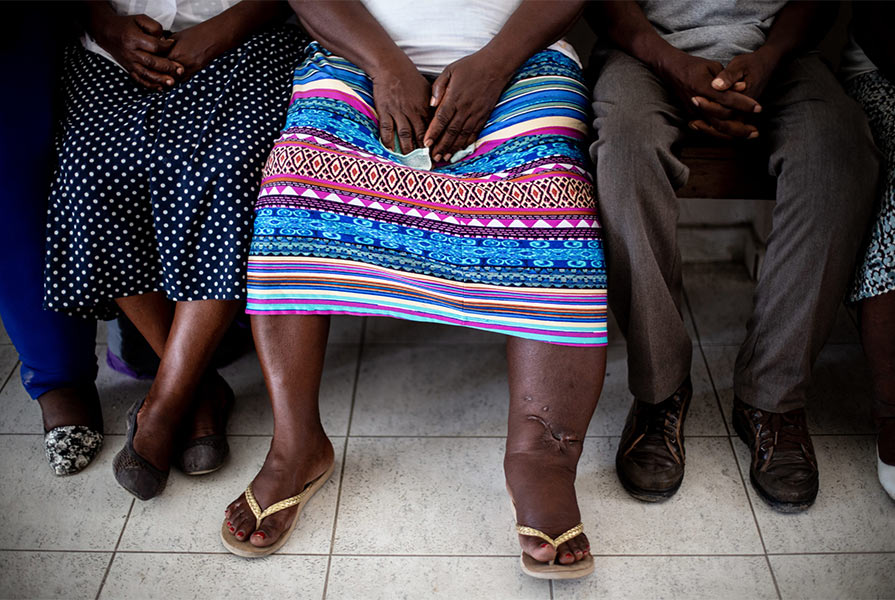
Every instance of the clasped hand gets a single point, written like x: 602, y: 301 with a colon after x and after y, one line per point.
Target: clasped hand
x: 155, y: 61
x: 723, y: 101
x: 447, y: 116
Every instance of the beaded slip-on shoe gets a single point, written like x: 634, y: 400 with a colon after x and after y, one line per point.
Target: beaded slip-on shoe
x: 554, y: 569
x: 70, y: 448
x: 133, y: 472
x: 245, y: 548
x: 207, y: 454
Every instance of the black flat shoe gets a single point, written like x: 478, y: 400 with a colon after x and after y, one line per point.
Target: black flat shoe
x: 133, y: 472
x: 207, y: 454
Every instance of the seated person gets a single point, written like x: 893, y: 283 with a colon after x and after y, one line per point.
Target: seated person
x: 738, y: 71
x: 868, y: 67
x: 161, y: 145
x: 432, y: 169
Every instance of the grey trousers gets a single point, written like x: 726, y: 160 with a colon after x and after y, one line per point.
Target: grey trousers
x: 827, y: 169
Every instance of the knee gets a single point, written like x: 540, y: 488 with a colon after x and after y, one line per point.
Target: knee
x: 634, y: 140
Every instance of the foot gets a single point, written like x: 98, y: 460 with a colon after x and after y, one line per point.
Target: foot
x: 650, y: 458
x: 202, y: 441
x: 784, y: 468
x: 71, y: 406
x: 285, y: 473
x: 541, y: 483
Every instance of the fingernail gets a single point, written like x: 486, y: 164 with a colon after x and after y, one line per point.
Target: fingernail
x: 694, y: 127
x: 717, y: 82
x: 179, y: 70
x: 447, y: 157
x: 757, y: 108
x: 427, y: 143
x: 695, y: 100
x: 169, y: 81
x: 260, y: 534
x: 753, y: 135
x: 437, y: 158
x: 433, y: 101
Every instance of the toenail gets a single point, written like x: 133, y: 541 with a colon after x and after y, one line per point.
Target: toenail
x: 240, y: 534
x: 260, y: 534
x: 544, y: 545
x: 568, y: 555
x: 232, y: 529
x: 229, y: 524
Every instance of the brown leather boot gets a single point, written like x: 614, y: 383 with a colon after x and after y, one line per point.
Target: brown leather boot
x: 784, y: 468
x: 650, y: 457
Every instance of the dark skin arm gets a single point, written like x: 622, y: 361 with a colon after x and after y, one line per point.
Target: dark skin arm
x: 400, y: 92
x: 135, y: 41
x: 799, y: 26
x: 872, y: 27
x: 688, y: 77
x: 197, y: 46
x: 468, y: 89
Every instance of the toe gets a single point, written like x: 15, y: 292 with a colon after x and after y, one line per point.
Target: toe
x: 537, y: 548
x: 564, y: 554
x: 241, y: 525
x: 272, y: 528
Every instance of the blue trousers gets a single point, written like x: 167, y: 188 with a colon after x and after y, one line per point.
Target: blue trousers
x: 56, y: 350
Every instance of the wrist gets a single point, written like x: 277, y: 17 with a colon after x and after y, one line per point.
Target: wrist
x: 772, y: 54
x: 99, y: 18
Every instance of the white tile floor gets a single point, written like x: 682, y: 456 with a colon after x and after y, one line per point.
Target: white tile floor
x: 417, y: 508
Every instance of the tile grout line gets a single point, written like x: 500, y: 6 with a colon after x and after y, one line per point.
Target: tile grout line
x: 102, y: 583
x: 730, y: 442
x: 332, y: 539
x: 12, y: 371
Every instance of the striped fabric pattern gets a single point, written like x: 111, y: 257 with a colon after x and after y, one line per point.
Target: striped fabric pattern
x: 505, y: 240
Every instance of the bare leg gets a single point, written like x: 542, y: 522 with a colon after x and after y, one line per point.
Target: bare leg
x: 291, y: 349
x: 553, y: 393
x: 877, y: 325
x: 185, y: 346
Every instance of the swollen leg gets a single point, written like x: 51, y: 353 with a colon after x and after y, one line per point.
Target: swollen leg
x: 553, y: 393
x: 291, y: 349
x: 877, y: 325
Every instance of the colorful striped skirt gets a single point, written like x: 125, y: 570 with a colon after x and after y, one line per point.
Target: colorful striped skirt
x: 505, y: 240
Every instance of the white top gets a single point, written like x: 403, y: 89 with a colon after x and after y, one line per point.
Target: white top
x: 435, y: 33
x: 172, y: 15
x: 854, y: 61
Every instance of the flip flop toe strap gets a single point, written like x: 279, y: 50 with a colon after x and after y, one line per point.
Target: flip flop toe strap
x: 564, y: 537
x: 260, y: 515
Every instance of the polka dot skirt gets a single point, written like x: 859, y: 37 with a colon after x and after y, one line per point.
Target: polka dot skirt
x: 154, y: 190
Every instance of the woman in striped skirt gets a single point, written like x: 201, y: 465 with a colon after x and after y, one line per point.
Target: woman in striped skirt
x: 432, y: 169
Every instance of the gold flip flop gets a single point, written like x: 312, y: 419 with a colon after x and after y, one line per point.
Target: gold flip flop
x: 245, y: 548
x: 553, y: 569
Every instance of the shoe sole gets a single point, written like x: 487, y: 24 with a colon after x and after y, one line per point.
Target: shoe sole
x: 778, y: 505
x: 643, y: 495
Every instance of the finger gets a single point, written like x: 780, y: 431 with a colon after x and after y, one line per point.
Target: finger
x: 734, y: 100
x: 712, y: 109
x: 446, y: 143
x: 733, y: 128
x: 739, y: 86
x: 442, y: 118
x: 145, y: 82
x: 418, y: 124
x: 405, y: 133
x: 466, y: 131
x: 159, y: 64
x: 149, y: 25
x: 703, y: 127
x: 387, y: 130
x: 158, y: 79
x: 439, y: 88
x: 152, y: 45
x: 726, y: 78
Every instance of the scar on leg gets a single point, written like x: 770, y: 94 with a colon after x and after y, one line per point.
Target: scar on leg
x: 561, y: 438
